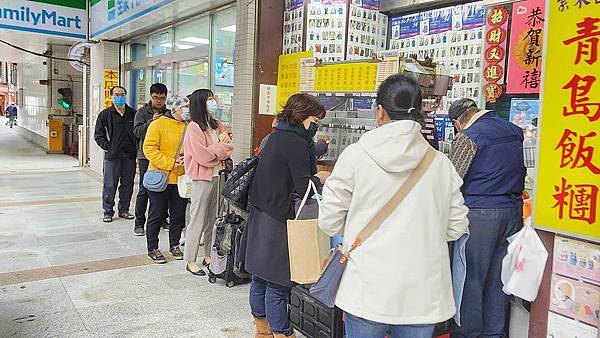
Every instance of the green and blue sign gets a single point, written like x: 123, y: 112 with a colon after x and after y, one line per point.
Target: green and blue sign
x: 107, y: 15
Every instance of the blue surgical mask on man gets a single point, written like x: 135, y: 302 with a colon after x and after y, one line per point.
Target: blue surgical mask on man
x: 119, y: 101
x: 211, y: 105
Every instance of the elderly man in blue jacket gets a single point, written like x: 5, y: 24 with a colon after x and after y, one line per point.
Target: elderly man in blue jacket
x: 488, y: 155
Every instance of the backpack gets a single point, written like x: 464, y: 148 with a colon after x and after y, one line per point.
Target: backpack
x: 236, y: 189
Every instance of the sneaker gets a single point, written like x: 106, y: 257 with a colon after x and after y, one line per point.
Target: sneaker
x: 176, y: 252
x: 157, y: 257
x: 138, y: 231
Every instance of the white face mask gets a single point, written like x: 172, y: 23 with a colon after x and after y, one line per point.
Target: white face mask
x: 211, y: 105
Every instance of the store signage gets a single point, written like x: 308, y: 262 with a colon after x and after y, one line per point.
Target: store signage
x: 43, y: 17
x: 568, y: 175
x: 111, y: 79
x: 525, y: 57
x: 495, y: 42
x: 107, y: 15
x: 348, y: 77
x: 288, y: 76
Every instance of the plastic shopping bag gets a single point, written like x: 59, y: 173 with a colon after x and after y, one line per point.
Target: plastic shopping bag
x: 524, y: 264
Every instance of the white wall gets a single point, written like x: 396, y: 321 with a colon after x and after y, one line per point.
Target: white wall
x: 33, y: 97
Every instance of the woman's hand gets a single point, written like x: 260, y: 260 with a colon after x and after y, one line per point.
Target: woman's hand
x: 179, y: 162
x: 323, y: 175
x: 224, y: 138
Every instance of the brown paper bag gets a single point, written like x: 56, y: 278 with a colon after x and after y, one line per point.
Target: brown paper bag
x: 308, y: 249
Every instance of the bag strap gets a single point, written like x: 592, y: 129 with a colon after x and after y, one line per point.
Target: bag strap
x: 180, y: 145
x: 392, y: 204
x: 311, y: 186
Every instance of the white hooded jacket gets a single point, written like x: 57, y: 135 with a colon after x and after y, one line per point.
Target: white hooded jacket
x: 401, y: 274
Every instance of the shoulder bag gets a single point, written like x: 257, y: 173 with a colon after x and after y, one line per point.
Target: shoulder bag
x: 325, y: 289
x: 157, y: 180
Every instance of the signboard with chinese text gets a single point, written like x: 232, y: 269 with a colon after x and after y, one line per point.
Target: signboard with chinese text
x: 107, y: 15
x: 568, y: 176
x: 525, y: 57
x: 348, y: 77
x: 288, y: 76
x: 111, y: 79
x: 495, y: 53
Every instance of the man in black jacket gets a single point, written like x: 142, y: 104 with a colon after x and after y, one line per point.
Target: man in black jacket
x: 114, y: 134
x: 145, y: 115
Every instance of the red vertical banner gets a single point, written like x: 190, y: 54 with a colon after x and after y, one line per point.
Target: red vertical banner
x: 495, y: 52
x: 526, y: 43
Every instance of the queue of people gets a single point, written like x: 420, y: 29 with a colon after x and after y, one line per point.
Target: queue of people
x: 398, y: 282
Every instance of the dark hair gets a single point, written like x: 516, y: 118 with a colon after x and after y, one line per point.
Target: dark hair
x: 113, y: 89
x: 198, y: 109
x: 299, y: 107
x: 401, y: 98
x: 158, y: 88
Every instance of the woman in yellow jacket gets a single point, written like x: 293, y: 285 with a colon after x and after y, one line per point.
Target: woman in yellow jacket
x: 160, y: 146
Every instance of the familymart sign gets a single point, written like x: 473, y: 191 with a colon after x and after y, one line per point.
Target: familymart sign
x: 65, y: 18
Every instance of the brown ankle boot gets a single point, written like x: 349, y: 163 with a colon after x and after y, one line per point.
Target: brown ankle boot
x: 262, y: 328
x: 281, y: 335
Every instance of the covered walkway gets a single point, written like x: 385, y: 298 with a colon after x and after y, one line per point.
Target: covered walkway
x: 64, y: 273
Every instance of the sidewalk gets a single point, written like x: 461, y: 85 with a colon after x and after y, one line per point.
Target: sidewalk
x: 64, y: 273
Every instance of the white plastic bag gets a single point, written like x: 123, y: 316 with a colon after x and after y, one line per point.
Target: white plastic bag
x: 524, y: 264
x: 184, y: 186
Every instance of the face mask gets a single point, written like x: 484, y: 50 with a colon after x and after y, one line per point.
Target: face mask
x: 312, y: 129
x: 119, y: 101
x: 212, y: 106
x: 185, y: 114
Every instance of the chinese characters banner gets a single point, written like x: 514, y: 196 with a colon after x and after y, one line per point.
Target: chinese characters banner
x: 288, y: 76
x: 568, y: 179
x: 525, y: 57
x: 111, y: 79
x: 495, y: 52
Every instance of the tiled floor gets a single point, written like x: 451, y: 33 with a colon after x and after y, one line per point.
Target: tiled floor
x: 50, y: 216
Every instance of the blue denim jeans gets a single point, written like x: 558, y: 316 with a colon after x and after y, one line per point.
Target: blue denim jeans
x: 484, y: 306
x: 270, y: 300
x: 361, y: 328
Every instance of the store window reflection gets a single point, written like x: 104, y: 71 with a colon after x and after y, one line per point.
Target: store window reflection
x: 194, y: 35
x: 223, y: 68
x: 163, y: 74
x: 137, y: 89
x: 138, y: 50
x: 192, y: 75
x: 160, y: 43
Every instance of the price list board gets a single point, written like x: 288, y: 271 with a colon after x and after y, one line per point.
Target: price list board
x: 350, y: 77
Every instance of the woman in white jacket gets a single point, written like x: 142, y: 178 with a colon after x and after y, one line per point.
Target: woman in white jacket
x: 398, y: 281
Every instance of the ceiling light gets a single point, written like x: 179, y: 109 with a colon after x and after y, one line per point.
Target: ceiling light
x: 181, y: 46
x: 166, y: 45
x: 193, y: 39
x: 229, y: 29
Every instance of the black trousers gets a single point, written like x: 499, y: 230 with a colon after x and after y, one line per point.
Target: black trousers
x: 160, y: 202
x: 141, y: 201
x: 118, y: 170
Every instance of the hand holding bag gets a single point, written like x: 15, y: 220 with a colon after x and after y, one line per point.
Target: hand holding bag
x: 325, y: 289
x: 157, y: 180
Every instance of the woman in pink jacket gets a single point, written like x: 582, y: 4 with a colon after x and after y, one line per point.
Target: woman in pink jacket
x: 207, y: 143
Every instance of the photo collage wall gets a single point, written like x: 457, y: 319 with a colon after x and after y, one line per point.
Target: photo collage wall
x: 326, y: 29
x: 293, y: 26
x: 367, y: 30
x: 451, y: 36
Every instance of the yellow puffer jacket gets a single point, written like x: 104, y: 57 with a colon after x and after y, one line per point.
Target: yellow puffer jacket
x: 160, y: 145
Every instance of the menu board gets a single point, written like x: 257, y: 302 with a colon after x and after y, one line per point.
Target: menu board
x: 450, y: 36
x: 293, y: 26
x: 577, y: 259
x: 326, y: 32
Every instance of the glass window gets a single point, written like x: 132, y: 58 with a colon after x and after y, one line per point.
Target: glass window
x: 137, y: 50
x: 223, y: 67
x: 194, y: 34
x: 137, y: 88
x: 163, y: 74
x: 192, y: 75
x: 161, y: 43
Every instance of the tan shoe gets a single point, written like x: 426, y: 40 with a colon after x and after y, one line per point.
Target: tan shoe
x: 262, y: 328
x: 280, y: 335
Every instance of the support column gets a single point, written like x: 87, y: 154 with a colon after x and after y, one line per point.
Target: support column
x: 104, y: 55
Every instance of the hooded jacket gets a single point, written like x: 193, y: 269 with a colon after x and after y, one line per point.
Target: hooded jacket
x: 401, y: 274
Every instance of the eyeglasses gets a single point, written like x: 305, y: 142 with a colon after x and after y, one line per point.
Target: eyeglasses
x: 159, y: 98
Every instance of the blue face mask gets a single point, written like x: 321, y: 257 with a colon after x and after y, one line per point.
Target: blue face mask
x: 185, y: 114
x: 212, y: 106
x: 119, y: 101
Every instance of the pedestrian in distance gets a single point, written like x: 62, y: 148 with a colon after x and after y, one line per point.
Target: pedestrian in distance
x: 207, y: 144
x: 151, y: 111
x: 161, y: 145
x: 114, y: 134
x: 403, y: 267
x: 286, y: 165
x: 488, y: 155
x: 11, y: 114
